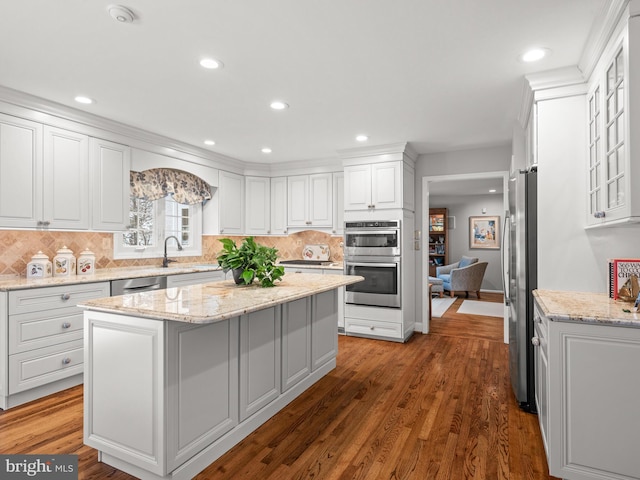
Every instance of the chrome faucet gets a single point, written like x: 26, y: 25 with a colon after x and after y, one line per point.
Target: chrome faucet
x: 165, y: 261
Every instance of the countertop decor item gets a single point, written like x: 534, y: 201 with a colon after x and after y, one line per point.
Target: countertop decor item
x: 250, y: 261
x: 39, y: 266
x: 64, y: 263
x: 86, y: 262
x: 316, y: 252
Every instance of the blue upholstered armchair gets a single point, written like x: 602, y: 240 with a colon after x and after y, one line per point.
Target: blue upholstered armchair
x: 463, y: 276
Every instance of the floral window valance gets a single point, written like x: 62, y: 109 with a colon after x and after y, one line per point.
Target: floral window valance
x: 155, y: 183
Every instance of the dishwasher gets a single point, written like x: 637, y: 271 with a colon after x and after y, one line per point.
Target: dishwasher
x: 135, y: 285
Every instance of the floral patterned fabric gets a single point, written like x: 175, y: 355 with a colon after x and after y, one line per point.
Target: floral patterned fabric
x: 156, y: 183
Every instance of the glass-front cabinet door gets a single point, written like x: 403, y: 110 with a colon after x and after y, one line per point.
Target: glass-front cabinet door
x: 612, y: 102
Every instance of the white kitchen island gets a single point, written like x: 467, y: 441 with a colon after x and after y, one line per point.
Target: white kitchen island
x: 174, y: 378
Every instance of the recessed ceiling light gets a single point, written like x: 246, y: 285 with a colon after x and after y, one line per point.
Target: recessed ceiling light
x: 266, y: 150
x: 211, y: 63
x: 209, y: 142
x: 493, y: 190
x: 534, y: 55
x: 362, y: 138
x: 278, y: 105
x: 85, y: 100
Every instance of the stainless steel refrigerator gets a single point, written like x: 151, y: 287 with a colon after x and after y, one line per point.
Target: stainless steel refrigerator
x: 523, y: 279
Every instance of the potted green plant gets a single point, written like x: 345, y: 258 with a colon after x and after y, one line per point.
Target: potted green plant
x: 249, y: 261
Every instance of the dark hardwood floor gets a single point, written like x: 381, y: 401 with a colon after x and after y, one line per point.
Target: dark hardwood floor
x: 438, y: 407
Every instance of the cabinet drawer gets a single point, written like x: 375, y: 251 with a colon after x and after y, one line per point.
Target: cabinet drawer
x: 373, y: 328
x: 38, y: 367
x: 48, y: 298
x: 42, y: 329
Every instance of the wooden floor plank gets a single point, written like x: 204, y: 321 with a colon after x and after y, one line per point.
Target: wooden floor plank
x: 438, y: 407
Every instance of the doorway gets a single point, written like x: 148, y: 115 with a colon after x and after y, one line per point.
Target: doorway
x: 459, y: 184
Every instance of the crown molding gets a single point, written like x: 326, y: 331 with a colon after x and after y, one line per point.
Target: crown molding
x: 526, y: 104
x: 602, y: 31
x: 45, y: 111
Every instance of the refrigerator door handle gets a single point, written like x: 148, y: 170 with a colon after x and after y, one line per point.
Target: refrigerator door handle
x: 503, y: 264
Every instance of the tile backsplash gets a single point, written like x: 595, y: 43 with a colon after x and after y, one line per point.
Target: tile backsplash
x: 18, y: 246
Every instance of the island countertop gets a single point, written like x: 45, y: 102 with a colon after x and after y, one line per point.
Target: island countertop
x: 582, y: 307
x: 216, y: 301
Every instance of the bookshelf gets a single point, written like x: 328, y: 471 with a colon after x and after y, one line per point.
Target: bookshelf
x: 438, y: 242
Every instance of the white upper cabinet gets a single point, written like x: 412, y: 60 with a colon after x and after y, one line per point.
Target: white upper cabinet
x: 109, y: 165
x: 613, y: 105
x: 279, y: 205
x: 231, y: 203
x: 20, y: 172
x: 66, y: 179
x: 257, y: 206
x: 310, y: 200
x: 373, y: 186
x: 338, y: 203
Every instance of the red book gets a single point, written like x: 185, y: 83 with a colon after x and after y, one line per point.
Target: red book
x: 621, y: 270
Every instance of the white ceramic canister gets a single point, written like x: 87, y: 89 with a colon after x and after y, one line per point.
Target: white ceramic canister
x: 64, y: 263
x: 86, y: 262
x: 39, y: 266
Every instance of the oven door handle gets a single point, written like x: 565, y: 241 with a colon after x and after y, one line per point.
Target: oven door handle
x: 365, y: 232
x: 392, y: 265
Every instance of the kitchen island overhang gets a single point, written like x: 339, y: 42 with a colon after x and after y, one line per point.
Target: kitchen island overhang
x: 174, y: 378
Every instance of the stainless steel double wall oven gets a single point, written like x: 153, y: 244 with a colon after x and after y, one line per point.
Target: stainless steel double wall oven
x: 372, y: 250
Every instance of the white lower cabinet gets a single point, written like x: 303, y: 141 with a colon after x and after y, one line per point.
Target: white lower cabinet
x: 375, y: 322
x: 44, y: 348
x: 589, y: 382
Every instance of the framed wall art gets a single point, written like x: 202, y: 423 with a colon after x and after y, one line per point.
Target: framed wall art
x: 484, y: 232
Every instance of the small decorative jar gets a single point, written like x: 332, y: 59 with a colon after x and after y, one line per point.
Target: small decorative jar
x: 64, y: 263
x: 86, y: 262
x: 39, y: 266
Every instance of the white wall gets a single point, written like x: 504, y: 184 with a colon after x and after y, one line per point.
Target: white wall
x: 480, y: 160
x: 462, y: 207
x: 570, y: 257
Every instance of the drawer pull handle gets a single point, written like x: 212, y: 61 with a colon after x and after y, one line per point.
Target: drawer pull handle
x: 535, y: 341
x: 66, y: 361
x: 66, y: 325
x: 65, y: 296
x: 372, y: 327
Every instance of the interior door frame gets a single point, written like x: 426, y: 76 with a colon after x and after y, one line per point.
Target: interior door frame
x: 504, y: 175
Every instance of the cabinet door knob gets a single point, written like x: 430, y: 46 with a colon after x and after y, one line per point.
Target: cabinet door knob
x: 65, y: 296
x: 66, y: 325
x: 535, y: 341
x: 372, y: 327
x: 66, y: 361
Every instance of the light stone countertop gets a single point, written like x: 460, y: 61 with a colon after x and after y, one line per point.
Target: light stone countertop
x: 216, y: 301
x: 15, y: 282
x: 581, y: 307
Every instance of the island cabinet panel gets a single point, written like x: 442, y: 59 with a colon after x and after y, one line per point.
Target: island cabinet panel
x: 296, y: 342
x: 123, y: 393
x: 171, y: 391
x: 324, y: 328
x: 202, y: 388
x: 259, y: 360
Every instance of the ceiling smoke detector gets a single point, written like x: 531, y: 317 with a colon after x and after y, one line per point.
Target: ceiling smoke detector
x: 121, y: 14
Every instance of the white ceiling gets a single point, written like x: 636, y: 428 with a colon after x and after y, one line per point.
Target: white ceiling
x: 442, y: 75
